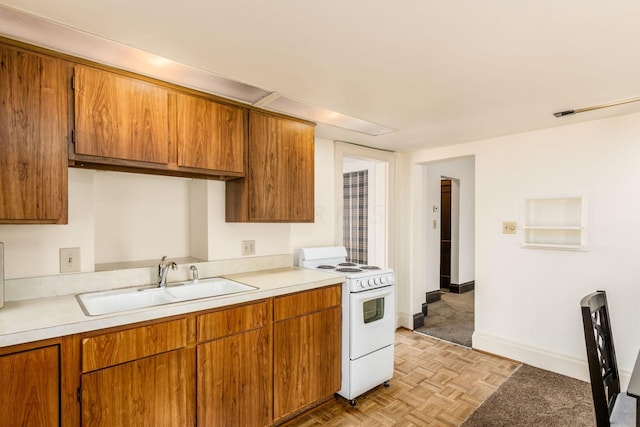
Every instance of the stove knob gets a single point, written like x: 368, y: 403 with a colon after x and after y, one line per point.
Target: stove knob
x: 371, y: 283
x: 378, y: 281
x: 362, y: 285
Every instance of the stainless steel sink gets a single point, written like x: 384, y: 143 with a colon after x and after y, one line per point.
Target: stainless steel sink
x: 105, y: 302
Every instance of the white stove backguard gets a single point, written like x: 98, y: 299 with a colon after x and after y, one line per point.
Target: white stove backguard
x: 313, y: 257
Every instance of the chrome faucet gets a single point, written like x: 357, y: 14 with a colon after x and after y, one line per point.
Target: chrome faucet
x: 163, y: 270
x: 194, y: 272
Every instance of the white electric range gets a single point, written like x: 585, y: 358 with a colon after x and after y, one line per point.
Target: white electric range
x: 368, y: 318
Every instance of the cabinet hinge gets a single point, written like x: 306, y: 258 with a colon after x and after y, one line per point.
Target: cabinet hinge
x: 79, y: 396
x: 73, y: 82
x: 73, y: 136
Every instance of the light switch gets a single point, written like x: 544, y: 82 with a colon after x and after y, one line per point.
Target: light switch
x: 248, y: 247
x: 69, y: 260
x: 509, y: 227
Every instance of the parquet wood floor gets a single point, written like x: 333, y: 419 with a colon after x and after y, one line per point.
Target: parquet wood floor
x: 435, y: 383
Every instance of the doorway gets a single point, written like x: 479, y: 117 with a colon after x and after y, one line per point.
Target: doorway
x: 445, y: 233
x: 363, y: 181
x: 364, y: 210
x: 449, y: 242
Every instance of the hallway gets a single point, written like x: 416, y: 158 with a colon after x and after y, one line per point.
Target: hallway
x: 451, y: 319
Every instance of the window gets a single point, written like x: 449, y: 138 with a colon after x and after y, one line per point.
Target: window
x: 356, y: 215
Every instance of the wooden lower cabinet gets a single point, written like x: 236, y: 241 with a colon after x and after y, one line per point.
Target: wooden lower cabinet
x: 306, y: 350
x: 254, y: 364
x: 234, y: 366
x: 137, y: 376
x: 30, y: 388
x: 234, y: 379
x: 153, y: 391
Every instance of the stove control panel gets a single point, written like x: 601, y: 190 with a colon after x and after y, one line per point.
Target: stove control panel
x: 371, y: 282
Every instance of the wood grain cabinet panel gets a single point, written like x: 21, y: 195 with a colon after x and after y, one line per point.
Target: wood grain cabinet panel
x: 222, y: 323
x: 210, y: 135
x: 306, y: 302
x: 120, y: 117
x: 30, y: 388
x: 34, y: 98
x: 306, y: 349
x: 306, y: 361
x: 234, y: 380
x: 122, y: 346
x: 153, y: 391
x: 279, y: 183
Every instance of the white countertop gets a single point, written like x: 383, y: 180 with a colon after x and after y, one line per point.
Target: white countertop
x: 42, y: 318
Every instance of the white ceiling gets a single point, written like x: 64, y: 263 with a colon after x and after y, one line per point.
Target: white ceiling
x: 440, y: 72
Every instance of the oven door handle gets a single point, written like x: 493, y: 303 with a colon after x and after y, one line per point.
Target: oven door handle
x: 373, y: 294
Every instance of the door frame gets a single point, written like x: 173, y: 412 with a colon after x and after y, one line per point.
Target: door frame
x: 346, y: 150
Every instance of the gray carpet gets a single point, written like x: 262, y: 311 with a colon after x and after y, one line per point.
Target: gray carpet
x: 535, y: 397
x: 451, y: 318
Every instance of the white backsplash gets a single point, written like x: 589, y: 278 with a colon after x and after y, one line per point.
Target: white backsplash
x: 67, y: 284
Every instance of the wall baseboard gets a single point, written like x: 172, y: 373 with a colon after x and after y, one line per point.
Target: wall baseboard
x: 462, y: 287
x: 433, y: 296
x: 560, y: 363
x: 418, y: 320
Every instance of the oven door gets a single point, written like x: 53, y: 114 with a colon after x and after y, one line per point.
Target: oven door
x: 371, y: 321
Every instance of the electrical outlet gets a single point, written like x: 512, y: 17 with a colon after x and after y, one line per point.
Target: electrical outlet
x: 69, y: 260
x: 509, y: 227
x: 248, y: 247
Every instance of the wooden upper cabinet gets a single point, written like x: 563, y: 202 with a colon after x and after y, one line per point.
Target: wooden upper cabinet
x: 279, y: 183
x: 210, y: 135
x: 34, y: 106
x: 120, y: 117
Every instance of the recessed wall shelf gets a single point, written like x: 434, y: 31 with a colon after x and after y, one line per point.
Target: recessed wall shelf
x: 555, y: 222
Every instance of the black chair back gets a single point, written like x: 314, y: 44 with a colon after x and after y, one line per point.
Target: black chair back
x: 601, y: 356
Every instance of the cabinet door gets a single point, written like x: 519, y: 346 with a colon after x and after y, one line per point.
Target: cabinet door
x: 280, y: 179
x: 120, y: 117
x: 280, y: 169
x: 34, y: 99
x: 306, y: 361
x: 209, y: 135
x: 153, y: 391
x: 234, y: 380
x: 30, y: 388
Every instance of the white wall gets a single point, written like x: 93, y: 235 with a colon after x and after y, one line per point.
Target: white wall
x: 115, y: 217
x: 527, y: 300
x: 140, y: 217
x: 33, y: 250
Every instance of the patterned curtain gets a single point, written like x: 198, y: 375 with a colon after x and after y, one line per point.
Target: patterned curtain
x: 355, y: 215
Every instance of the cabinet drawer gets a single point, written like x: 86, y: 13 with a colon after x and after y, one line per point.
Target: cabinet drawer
x: 123, y: 346
x: 306, y: 302
x: 231, y: 321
